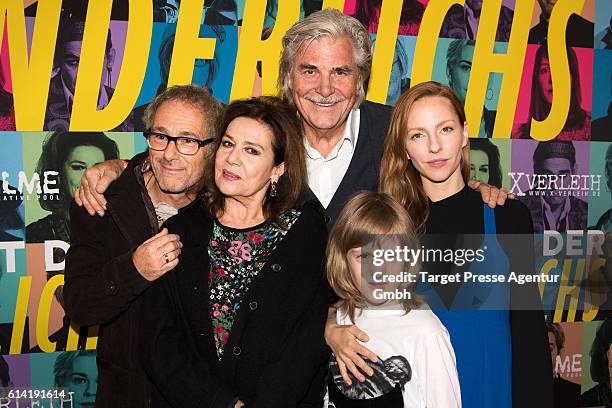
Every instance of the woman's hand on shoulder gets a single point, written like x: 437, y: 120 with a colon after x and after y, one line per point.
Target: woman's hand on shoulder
x: 350, y: 354
x: 491, y: 195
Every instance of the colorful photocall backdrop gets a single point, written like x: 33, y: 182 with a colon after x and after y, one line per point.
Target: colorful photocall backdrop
x: 74, y: 83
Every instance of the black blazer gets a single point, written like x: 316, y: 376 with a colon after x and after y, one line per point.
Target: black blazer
x: 276, y: 353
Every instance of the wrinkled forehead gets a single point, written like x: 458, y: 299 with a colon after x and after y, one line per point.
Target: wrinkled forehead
x: 339, y: 49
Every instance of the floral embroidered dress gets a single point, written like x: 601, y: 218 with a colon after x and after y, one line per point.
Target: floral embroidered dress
x: 236, y: 257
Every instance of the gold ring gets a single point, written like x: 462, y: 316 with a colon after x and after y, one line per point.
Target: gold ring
x: 166, y: 258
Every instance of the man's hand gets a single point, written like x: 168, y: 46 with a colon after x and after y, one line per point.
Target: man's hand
x: 343, y: 342
x: 491, y: 195
x: 94, y: 182
x: 157, y: 255
x: 239, y: 404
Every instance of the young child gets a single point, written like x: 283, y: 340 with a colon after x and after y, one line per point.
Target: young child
x: 416, y: 362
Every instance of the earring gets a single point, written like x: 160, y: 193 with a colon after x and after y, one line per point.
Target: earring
x: 273, y: 188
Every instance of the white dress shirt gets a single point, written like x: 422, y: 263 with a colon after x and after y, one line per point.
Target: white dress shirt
x: 326, y: 173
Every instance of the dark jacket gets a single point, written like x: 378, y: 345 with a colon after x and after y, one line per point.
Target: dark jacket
x: 579, y: 32
x: 454, y: 24
x: 276, y: 353
x: 364, y: 169
x: 577, y: 217
x: 103, y: 287
x: 601, y: 128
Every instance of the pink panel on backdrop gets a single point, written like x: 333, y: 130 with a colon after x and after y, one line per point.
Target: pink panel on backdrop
x: 4, y: 62
x: 585, y: 69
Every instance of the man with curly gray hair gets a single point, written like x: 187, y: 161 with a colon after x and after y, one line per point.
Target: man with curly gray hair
x: 325, y: 62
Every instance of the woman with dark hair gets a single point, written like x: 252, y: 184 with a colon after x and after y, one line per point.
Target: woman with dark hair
x: 368, y: 13
x: 240, y: 320
x: 503, y: 359
x: 68, y: 154
x: 601, y: 355
x: 578, y: 123
x: 484, y: 162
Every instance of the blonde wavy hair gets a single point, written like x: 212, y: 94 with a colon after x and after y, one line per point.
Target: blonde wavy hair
x: 363, y: 220
x: 398, y: 176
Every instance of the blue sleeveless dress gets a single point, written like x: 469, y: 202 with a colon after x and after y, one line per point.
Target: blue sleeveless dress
x: 481, y: 338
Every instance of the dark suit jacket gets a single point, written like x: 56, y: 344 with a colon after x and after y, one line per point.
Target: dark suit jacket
x: 579, y: 32
x: 364, y: 169
x: 103, y: 287
x: 276, y: 353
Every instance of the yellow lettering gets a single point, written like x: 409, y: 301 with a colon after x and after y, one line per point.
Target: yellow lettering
x: 384, y: 50
x: 30, y: 80
x: 566, y: 290
x: 21, y: 311
x: 427, y: 40
x: 550, y: 127
x: 251, y: 48
x: 44, y: 309
x: 337, y: 4
x: 188, y: 46
x: 85, y: 115
x: 510, y: 64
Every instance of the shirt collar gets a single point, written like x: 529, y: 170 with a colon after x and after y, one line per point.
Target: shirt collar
x: 349, y: 135
x: 566, y: 209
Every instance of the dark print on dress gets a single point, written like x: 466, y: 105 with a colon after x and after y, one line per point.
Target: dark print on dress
x: 388, y: 374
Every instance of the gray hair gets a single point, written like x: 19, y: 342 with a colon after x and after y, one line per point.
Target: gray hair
x: 199, y: 98
x: 332, y: 23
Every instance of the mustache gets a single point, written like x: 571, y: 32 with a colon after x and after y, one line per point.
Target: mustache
x: 328, y: 100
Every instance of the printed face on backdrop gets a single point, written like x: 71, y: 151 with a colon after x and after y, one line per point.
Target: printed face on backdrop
x: 554, y: 352
x: 398, y: 80
x: 556, y: 166
x: 175, y: 172
x: 69, y: 64
x: 324, y: 82
x: 82, y: 381
x: 244, y: 162
x: 545, y: 81
x: 435, y: 138
x: 200, y: 73
x: 479, y: 166
x: 460, y: 73
x: 80, y: 159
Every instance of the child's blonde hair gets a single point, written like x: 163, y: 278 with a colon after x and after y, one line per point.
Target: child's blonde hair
x: 365, y: 216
